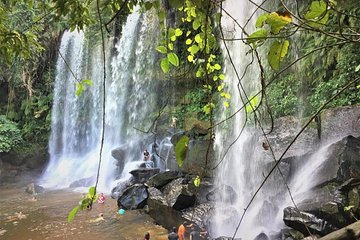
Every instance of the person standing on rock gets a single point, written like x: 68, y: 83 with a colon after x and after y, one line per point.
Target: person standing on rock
x: 173, y: 235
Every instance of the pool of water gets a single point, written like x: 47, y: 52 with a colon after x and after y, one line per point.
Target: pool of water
x: 44, y: 216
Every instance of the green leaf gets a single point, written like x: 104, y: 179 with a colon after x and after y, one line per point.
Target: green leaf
x: 161, y: 49
x: 198, y: 38
x: 317, y: 10
x: 79, y: 89
x: 348, y: 208
x: 178, y: 32
x: 276, y: 53
x: 190, y: 58
x: 222, y: 76
x: 72, y: 213
x: 91, y: 191
x: 196, y: 24
x: 181, y: 148
x: 193, y: 49
x: 252, y: 104
x: 258, y: 36
x: 164, y: 65
x: 261, y: 20
x: 188, y: 41
x: 197, y: 181
x: 173, y: 59
x: 277, y: 22
x: 171, y: 46
x: 88, y: 82
x: 217, y: 66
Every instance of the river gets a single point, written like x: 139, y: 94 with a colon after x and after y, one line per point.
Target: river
x: 44, y: 216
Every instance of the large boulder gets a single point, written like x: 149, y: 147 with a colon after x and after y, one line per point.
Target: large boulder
x: 197, y: 160
x: 342, y: 162
x: 34, y: 189
x: 177, y: 195
x: 133, y: 197
x: 163, y: 178
x: 121, y: 186
x: 304, y: 222
x: 141, y: 175
x: 160, y: 210
x: 120, y: 154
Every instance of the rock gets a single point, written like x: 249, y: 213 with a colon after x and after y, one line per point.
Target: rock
x: 349, y: 184
x: 33, y: 188
x: 325, y: 204
x: 177, y: 195
x: 342, y: 161
x: 85, y: 182
x: 201, y: 192
x: 120, y: 154
x: 291, y: 234
x: 120, y: 187
x: 298, y: 220
x: 262, y: 236
x: 224, y: 194
x: 195, y: 160
x: 161, y: 212
x: 133, y: 197
x: 200, y: 214
x: 176, y: 137
x: 163, y: 178
x: 141, y: 175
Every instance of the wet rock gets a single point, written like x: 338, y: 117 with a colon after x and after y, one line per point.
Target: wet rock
x: 176, y: 137
x: 200, y: 214
x: 159, y: 210
x: 120, y: 187
x: 195, y: 159
x: 201, y: 192
x: 163, y: 178
x: 85, y: 182
x: 290, y: 234
x: 342, y: 163
x: 141, y: 175
x: 120, y: 154
x: 262, y: 236
x: 33, y: 188
x: 325, y: 204
x: 224, y: 194
x: 177, y: 195
x: 302, y: 221
x: 133, y: 197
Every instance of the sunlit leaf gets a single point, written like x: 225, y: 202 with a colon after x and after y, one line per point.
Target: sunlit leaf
x: 318, y: 13
x: 261, y: 20
x: 171, y: 46
x: 217, y: 67
x: 79, y: 89
x: 72, y: 214
x: 193, y: 49
x: 178, y: 32
x: 88, y: 82
x: 226, y: 104
x: 181, y: 148
x: 196, y: 24
x: 222, y: 76
x: 188, y: 41
x: 190, y: 58
x: 252, y: 104
x: 197, y: 181
x: 173, y: 59
x: 198, y: 38
x: 161, y: 49
x: 164, y: 65
x: 92, y: 191
x: 276, y: 53
x: 277, y: 22
x: 259, y: 35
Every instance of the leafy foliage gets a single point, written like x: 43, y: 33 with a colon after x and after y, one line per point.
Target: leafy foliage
x: 10, y: 134
x: 85, y: 203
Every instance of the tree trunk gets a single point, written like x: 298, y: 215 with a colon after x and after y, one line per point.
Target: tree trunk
x: 350, y: 232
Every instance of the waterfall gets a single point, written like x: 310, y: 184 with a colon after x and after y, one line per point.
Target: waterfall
x: 131, y: 87
x: 240, y: 163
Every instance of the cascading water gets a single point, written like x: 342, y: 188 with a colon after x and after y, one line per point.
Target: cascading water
x: 130, y: 97
x: 239, y: 164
